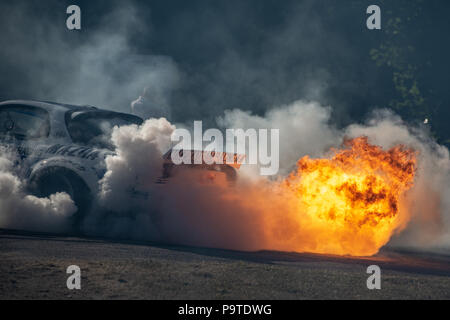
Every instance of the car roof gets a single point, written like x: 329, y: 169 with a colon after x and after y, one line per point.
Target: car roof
x: 76, y: 110
x: 48, y: 105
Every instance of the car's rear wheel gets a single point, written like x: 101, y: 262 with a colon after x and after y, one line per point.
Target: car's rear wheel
x: 52, y: 180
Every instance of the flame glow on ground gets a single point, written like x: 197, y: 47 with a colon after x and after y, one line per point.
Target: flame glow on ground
x: 351, y: 203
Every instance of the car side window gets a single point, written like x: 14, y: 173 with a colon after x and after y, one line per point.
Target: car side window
x: 23, y: 122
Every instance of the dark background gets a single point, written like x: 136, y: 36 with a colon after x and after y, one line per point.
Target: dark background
x: 254, y: 55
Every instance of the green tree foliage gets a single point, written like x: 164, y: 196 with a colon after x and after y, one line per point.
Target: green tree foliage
x: 397, y: 52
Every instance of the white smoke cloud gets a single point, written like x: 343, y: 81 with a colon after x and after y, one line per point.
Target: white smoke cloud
x: 128, y: 190
x: 305, y: 129
x: 19, y: 210
x: 137, y: 162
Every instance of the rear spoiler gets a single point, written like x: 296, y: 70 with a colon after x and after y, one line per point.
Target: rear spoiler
x: 220, y: 158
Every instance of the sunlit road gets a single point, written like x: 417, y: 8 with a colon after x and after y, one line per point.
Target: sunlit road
x: 33, y: 265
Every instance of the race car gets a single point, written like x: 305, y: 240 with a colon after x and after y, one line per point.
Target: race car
x: 62, y: 148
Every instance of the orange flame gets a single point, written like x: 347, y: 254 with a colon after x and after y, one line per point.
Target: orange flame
x: 351, y: 203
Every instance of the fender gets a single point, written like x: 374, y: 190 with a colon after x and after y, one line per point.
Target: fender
x: 87, y: 172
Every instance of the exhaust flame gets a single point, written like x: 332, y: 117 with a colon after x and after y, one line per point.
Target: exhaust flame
x: 352, y: 202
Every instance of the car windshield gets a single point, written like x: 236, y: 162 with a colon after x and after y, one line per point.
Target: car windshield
x: 95, y: 128
x: 23, y: 122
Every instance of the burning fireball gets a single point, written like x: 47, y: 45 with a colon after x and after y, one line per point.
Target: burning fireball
x: 351, y: 203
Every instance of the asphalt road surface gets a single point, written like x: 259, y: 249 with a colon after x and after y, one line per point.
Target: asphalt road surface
x: 33, y: 266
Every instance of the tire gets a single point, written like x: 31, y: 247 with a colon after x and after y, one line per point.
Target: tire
x: 56, y: 179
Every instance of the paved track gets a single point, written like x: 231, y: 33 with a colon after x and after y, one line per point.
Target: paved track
x: 33, y: 265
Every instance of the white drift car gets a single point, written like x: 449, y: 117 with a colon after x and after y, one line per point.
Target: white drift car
x: 62, y: 147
